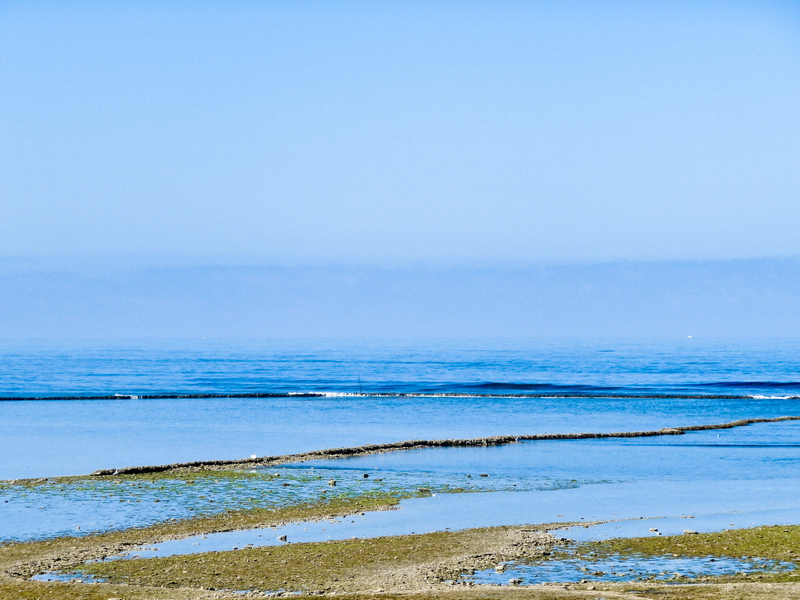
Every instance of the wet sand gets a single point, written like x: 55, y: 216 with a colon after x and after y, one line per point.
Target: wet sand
x: 410, y: 566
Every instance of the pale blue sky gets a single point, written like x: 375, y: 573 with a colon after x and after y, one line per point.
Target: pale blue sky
x: 384, y: 132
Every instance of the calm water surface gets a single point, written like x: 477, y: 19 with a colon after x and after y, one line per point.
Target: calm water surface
x: 60, y: 436
x: 57, y: 437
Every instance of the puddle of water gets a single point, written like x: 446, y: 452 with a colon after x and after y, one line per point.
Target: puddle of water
x: 622, y: 568
x: 69, y: 577
x: 704, y: 523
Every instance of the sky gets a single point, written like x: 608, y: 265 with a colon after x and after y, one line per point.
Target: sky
x: 399, y: 168
x: 400, y: 132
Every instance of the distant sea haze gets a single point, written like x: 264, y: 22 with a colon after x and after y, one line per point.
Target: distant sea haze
x: 740, y: 298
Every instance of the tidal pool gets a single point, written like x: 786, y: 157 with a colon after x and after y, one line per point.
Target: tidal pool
x: 623, y: 568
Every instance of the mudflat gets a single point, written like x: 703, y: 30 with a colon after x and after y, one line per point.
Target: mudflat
x: 424, y: 566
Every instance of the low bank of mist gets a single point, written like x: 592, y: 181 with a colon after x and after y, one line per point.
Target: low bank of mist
x: 725, y: 298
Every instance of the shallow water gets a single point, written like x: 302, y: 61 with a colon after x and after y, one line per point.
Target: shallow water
x: 624, y: 568
x: 52, y: 438
x: 749, y: 469
x: 86, y: 506
x: 755, y: 451
x: 634, y: 508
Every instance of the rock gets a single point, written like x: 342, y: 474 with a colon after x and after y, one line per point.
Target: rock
x: 514, y: 581
x: 500, y: 567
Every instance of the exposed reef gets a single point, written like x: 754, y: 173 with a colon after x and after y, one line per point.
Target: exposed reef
x: 497, y: 440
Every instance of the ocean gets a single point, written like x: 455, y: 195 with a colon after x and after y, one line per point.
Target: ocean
x: 72, y: 407
x: 370, y: 391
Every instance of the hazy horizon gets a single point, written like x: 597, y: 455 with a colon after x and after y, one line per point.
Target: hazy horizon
x: 734, y: 298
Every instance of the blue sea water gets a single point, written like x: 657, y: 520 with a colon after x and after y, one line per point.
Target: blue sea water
x: 373, y: 391
x: 602, y: 366
x: 40, y: 438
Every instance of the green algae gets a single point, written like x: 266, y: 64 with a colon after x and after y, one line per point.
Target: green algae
x: 81, y: 505
x: 402, y: 562
x: 776, y: 543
